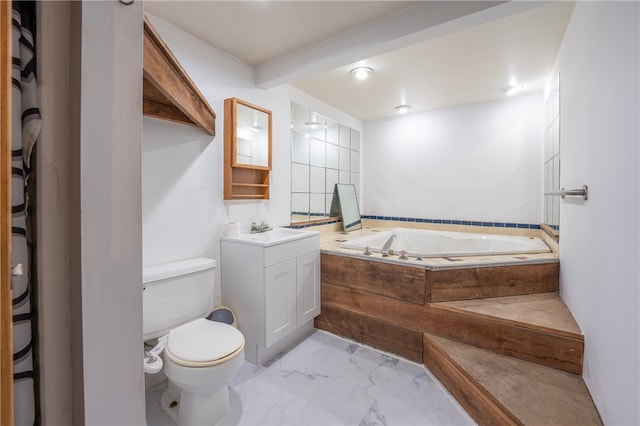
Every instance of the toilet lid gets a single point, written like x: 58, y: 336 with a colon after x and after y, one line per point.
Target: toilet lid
x: 203, y: 341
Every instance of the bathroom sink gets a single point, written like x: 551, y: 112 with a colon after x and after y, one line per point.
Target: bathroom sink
x: 273, y: 237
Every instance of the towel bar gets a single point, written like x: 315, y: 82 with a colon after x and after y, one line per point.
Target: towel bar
x: 579, y: 192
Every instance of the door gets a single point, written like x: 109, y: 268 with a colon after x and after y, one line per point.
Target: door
x: 280, y: 300
x: 308, y: 287
x: 6, y: 349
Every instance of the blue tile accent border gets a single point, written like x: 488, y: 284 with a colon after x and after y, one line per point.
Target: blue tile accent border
x: 424, y: 220
x: 456, y: 222
x: 321, y: 215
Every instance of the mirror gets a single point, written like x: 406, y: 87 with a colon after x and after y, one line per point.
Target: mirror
x: 345, y: 204
x: 323, y: 153
x: 552, y: 159
x: 252, y: 145
x: 247, y: 150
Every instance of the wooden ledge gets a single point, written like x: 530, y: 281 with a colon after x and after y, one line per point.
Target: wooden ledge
x: 168, y: 92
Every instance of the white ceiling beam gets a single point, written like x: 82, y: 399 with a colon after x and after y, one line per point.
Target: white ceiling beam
x: 424, y: 21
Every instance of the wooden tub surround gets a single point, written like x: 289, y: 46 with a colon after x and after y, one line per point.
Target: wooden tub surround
x: 498, y: 336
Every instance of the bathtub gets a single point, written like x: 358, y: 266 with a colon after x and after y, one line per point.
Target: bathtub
x: 427, y: 243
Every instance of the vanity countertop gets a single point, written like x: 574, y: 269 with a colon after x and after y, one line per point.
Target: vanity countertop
x: 271, y: 238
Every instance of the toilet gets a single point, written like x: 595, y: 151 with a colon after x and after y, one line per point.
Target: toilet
x: 201, y: 356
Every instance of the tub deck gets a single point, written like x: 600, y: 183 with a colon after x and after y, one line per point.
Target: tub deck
x: 331, y: 243
x: 389, y: 300
x: 486, y: 326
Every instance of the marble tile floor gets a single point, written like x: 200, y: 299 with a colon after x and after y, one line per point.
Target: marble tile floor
x: 327, y: 380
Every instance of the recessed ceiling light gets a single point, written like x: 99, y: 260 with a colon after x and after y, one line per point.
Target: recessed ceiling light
x: 403, y: 109
x: 361, y: 73
x: 512, y: 89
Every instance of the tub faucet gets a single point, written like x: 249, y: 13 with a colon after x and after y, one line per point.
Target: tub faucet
x: 263, y: 227
x: 387, y: 246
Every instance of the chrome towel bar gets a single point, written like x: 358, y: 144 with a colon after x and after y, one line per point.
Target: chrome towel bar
x: 580, y: 192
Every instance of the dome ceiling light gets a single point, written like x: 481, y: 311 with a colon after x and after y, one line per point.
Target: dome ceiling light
x: 361, y: 73
x: 403, y: 109
x: 512, y: 89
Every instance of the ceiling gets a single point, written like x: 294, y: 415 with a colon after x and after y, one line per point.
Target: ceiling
x: 427, y: 54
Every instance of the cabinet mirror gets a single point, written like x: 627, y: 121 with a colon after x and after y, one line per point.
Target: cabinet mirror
x: 252, y: 126
x: 247, y: 150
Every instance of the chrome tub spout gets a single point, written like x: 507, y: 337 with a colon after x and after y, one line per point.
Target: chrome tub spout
x: 386, y: 248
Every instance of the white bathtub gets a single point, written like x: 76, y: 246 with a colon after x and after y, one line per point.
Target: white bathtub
x: 427, y: 243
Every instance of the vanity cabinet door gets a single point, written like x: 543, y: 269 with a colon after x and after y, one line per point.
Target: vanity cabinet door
x: 308, y: 298
x: 280, y: 300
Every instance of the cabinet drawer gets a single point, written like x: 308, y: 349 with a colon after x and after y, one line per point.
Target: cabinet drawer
x: 292, y: 249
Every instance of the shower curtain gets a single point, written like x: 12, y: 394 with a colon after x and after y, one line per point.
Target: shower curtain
x: 26, y: 127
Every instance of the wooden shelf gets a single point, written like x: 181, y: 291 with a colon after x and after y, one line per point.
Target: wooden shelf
x: 246, y: 183
x: 167, y: 91
x: 246, y: 196
x: 250, y: 167
x: 261, y: 185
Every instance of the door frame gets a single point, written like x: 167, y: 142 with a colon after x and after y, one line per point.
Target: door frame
x: 6, y: 319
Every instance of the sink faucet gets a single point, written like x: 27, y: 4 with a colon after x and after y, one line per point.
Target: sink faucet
x: 387, y: 246
x: 263, y: 227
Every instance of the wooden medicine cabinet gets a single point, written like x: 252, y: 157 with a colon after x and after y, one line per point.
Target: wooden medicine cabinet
x: 247, y: 150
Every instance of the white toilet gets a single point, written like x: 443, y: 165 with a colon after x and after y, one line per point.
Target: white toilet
x: 201, y: 355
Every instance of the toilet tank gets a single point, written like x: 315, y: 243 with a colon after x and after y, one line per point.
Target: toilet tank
x: 176, y: 293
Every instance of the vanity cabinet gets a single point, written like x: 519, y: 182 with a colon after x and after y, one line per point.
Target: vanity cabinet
x: 273, y: 289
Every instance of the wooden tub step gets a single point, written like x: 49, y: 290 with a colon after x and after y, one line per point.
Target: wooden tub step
x: 543, y: 311
x: 498, y: 389
x: 536, y: 327
x: 466, y: 283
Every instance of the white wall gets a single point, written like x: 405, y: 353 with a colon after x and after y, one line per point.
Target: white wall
x: 183, y: 208
x: 479, y: 162
x: 105, y: 199
x: 599, y: 238
x: 88, y: 214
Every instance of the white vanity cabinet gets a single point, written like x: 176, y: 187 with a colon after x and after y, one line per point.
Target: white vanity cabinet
x: 272, y: 283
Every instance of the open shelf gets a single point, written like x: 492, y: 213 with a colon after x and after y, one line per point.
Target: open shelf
x: 246, y: 196
x: 246, y: 182
x: 168, y: 92
x: 259, y: 185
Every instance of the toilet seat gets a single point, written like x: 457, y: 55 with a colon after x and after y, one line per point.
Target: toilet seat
x: 203, y: 343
